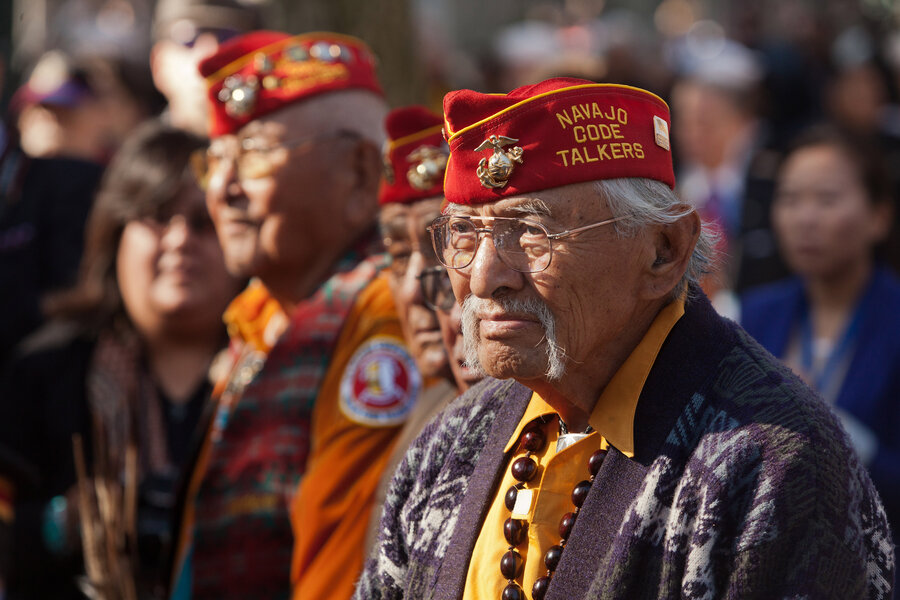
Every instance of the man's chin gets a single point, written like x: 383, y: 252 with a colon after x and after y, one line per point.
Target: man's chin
x: 240, y: 265
x: 502, y: 361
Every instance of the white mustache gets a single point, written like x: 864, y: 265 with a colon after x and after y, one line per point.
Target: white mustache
x: 472, y: 306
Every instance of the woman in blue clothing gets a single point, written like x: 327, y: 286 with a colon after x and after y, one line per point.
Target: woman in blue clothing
x: 837, y: 321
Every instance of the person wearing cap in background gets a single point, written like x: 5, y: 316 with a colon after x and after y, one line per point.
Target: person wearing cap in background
x: 727, y: 159
x: 44, y: 201
x: 630, y: 442
x: 185, y: 32
x: 319, y: 381
x: 411, y: 194
x: 438, y: 294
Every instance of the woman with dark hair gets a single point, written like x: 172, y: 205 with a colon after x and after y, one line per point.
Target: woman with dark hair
x: 101, y: 404
x: 836, y: 322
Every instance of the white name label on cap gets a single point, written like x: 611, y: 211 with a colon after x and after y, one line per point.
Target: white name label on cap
x: 661, y: 132
x: 522, y: 509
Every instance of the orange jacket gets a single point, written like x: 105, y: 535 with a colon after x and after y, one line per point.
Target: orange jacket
x: 353, y: 430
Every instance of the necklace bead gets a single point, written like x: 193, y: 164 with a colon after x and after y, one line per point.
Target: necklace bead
x: 534, y: 440
x: 511, y: 494
x: 565, y: 525
x: 596, y: 461
x: 579, y: 494
x: 551, y: 558
x: 511, y: 564
x: 524, y: 468
x: 540, y: 587
x: 514, y: 531
x: 512, y: 591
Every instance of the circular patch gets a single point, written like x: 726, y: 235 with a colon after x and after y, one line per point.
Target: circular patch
x: 381, y: 383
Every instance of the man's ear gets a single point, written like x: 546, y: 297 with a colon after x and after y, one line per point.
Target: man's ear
x: 673, y: 246
x: 365, y: 168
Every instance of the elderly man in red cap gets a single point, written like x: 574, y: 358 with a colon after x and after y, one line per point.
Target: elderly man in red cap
x: 411, y: 195
x: 630, y: 443
x: 318, y: 381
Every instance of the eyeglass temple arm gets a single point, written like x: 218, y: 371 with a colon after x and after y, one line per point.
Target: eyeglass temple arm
x: 562, y: 234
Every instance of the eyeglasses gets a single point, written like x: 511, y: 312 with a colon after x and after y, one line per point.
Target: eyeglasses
x: 400, y: 253
x: 522, y: 245
x: 251, y: 157
x: 197, y: 221
x: 436, y: 290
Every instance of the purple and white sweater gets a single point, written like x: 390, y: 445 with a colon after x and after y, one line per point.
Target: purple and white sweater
x: 743, y: 485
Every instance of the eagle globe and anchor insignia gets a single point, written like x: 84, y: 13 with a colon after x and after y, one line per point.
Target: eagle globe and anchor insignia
x: 427, y: 170
x: 494, y: 172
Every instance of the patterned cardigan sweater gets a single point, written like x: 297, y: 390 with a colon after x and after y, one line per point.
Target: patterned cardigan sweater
x: 742, y: 486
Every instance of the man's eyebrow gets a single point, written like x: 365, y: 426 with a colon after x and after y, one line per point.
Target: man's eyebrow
x: 532, y: 207
x: 392, y: 228
x: 456, y: 209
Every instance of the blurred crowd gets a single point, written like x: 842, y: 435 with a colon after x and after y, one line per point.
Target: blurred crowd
x: 116, y: 271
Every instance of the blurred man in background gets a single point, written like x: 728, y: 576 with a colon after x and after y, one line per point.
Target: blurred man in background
x: 185, y: 32
x: 411, y: 195
x: 319, y: 381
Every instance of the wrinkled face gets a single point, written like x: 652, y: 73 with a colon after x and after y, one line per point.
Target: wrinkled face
x: 464, y: 374
x: 574, y: 312
x: 409, y: 246
x: 276, y: 216
x: 823, y: 217
x: 170, y: 269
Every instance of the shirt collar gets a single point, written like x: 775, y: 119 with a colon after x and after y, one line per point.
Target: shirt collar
x: 613, y: 415
x: 255, y: 317
x: 537, y: 407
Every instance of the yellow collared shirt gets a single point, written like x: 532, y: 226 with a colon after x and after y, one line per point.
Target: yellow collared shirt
x: 559, y: 472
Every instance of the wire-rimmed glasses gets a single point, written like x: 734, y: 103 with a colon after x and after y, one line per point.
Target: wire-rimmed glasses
x: 523, y: 245
x: 251, y: 156
x: 436, y: 290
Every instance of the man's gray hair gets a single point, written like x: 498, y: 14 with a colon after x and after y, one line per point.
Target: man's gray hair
x: 645, y: 202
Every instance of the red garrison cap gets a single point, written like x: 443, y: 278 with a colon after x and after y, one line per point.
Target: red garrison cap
x: 551, y: 134
x: 415, y: 156
x: 260, y: 72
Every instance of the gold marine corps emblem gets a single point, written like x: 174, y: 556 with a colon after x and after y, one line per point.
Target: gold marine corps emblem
x: 494, y: 172
x: 427, y: 170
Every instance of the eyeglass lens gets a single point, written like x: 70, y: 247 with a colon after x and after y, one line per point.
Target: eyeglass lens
x: 436, y: 289
x: 252, y: 158
x: 520, y: 244
x: 251, y: 161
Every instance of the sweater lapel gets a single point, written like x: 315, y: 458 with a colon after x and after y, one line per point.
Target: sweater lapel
x: 510, y: 407
x: 615, y: 487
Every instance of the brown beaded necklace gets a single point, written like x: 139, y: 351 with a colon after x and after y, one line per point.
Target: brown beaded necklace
x: 523, y: 470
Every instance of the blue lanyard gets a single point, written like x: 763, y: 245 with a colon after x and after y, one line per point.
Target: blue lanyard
x: 841, y: 349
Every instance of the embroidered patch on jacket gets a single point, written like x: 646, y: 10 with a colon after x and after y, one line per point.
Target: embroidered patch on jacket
x: 381, y: 383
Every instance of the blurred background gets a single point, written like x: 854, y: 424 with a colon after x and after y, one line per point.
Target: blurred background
x: 742, y: 79
x: 427, y: 46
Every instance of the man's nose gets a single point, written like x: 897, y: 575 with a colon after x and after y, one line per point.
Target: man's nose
x: 225, y: 185
x: 488, y: 274
x: 410, y: 287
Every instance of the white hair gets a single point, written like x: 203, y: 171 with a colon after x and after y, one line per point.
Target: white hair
x: 359, y: 111
x: 641, y: 202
